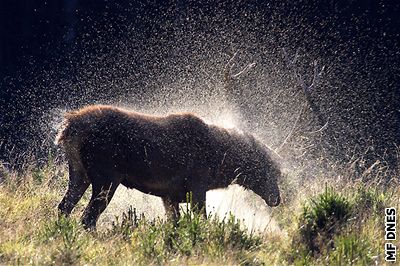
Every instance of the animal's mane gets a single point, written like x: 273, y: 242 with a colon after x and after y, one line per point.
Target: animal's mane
x: 238, y: 137
x: 251, y: 142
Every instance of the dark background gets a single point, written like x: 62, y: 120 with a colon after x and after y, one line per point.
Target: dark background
x: 45, y: 46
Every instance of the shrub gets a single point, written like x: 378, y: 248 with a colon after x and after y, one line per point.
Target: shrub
x: 129, y: 221
x: 321, y: 219
x: 67, y: 231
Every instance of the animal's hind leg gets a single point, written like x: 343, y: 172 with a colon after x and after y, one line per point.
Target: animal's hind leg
x: 102, y: 194
x: 171, y: 208
x: 77, y: 186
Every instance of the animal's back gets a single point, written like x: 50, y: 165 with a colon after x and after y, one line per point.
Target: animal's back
x: 111, y: 136
x: 183, y: 137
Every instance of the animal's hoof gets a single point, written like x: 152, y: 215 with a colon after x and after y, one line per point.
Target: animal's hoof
x: 89, y: 226
x: 62, y: 214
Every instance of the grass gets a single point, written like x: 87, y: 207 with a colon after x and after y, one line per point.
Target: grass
x: 321, y: 218
x: 336, y: 224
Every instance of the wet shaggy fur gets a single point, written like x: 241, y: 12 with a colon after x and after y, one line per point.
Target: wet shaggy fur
x: 165, y: 156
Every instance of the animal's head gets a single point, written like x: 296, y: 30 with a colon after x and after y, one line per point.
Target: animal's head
x: 261, y: 175
x: 264, y: 182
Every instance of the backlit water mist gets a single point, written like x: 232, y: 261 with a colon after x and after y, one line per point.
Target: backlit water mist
x: 214, y: 109
x: 161, y: 58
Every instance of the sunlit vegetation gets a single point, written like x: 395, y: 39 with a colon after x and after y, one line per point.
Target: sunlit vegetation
x: 321, y: 223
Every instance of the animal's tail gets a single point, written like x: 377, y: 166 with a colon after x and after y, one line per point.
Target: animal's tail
x: 65, y: 130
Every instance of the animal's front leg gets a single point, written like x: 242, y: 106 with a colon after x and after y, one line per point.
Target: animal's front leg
x: 171, y: 208
x: 198, y: 187
x: 199, y: 202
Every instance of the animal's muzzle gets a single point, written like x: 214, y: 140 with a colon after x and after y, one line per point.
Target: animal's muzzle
x: 274, y: 201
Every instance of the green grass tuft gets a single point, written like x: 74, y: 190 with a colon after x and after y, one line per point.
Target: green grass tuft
x: 191, y: 236
x: 322, y: 218
x: 351, y: 249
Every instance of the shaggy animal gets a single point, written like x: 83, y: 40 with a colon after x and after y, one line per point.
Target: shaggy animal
x: 166, y: 156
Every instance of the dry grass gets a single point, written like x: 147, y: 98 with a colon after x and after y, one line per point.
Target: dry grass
x: 30, y: 232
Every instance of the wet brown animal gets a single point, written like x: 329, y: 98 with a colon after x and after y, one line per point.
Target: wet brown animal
x: 166, y: 156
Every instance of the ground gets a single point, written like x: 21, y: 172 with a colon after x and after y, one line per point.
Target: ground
x: 339, y: 222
